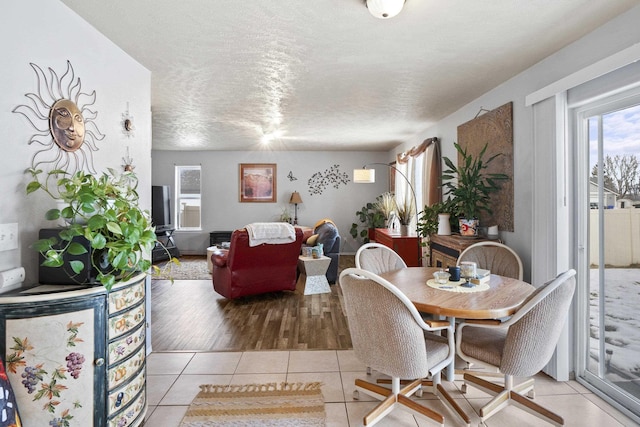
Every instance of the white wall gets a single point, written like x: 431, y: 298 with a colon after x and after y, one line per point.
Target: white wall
x: 47, y: 33
x: 221, y: 209
x: 614, y: 36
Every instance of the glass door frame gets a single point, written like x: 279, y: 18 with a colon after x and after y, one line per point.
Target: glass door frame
x: 579, y: 135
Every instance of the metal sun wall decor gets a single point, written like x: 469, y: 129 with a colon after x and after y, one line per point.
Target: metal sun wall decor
x: 127, y: 162
x: 66, y: 133
x: 128, y: 128
x: 319, y: 181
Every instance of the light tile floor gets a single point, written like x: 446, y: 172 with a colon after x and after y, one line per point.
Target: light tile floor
x: 174, y: 377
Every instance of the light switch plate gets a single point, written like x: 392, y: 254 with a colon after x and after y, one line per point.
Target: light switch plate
x: 8, y: 236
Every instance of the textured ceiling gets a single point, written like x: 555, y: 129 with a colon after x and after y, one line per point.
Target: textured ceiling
x: 325, y: 74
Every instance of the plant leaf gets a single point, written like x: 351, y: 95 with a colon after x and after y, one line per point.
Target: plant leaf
x: 76, y: 249
x: 98, y: 242
x: 33, y: 186
x: 76, y: 266
x: 114, y: 228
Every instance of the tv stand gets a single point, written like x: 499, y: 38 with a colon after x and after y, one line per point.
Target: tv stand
x: 165, y: 238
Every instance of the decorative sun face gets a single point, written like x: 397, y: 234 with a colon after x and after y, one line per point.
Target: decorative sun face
x: 64, y: 124
x: 67, y: 125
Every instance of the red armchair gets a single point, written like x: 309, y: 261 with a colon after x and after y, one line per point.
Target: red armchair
x: 243, y: 270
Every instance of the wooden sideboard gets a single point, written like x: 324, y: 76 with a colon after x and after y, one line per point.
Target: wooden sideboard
x: 445, y: 250
x: 84, y: 344
x: 404, y: 245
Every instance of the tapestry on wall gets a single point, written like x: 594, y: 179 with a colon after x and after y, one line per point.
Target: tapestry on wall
x: 495, y: 128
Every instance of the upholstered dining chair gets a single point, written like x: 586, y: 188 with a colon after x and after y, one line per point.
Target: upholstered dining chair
x: 388, y: 334
x: 494, y: 256
x: 378, y: 258
x: 518, y: 347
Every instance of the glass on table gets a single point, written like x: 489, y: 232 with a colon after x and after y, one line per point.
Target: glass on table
x: 468, y: 271
x: 441, y: 277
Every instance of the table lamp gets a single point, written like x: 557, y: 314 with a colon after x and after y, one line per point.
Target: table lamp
x: 295, y: 199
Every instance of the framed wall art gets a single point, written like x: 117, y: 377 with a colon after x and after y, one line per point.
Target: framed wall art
x: 258, y: 182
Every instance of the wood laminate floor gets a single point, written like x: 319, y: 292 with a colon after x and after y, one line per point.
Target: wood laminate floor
x: 189, y: 315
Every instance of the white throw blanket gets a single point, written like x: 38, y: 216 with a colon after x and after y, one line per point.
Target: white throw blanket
x: 270, y: 232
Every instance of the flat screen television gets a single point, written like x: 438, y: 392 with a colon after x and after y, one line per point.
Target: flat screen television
x: 161, y: 206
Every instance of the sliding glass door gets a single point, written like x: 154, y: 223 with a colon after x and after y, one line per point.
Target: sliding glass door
x: 607, y: 233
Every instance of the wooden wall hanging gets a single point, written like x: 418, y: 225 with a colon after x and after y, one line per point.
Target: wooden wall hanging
x: 494, y: 127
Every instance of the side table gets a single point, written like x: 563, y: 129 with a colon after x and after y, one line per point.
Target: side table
x: 406, y: 246
x: 312, y: 274
x: 445, y: 250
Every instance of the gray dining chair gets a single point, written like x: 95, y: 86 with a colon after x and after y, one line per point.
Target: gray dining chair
x: 378, y: 258
x: 500, y: 259
x: 518, y: 347
x: 388, y: 334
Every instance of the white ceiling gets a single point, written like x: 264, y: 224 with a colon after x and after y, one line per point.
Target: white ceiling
x: 325, y: 73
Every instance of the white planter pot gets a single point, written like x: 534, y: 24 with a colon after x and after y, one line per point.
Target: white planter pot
x: 444, y: 227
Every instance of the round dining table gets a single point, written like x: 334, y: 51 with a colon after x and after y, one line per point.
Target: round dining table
x: 500, y: 299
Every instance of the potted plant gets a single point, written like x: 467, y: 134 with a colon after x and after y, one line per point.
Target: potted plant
x: 285, y: 216
x: 105, y: 211
x: 372, y: 218
x: 429, y: 218
x: 406, y: 210
x: 470, y: 186
x: 386, y: 203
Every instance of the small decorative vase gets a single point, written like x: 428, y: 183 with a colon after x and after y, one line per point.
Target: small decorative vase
x: 404, y: 230
x: 469, y: 227
x: 444, y: 227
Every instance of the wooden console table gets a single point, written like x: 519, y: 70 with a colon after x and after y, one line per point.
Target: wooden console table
x: 445, y: 250
x: 404, y: 245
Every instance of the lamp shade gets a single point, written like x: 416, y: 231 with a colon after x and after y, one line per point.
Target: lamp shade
x: 295, y: 198
x: 385, y: 9
x: 364, y: 176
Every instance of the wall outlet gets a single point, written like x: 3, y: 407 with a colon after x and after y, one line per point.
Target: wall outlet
x: 12, y: 277
x: 8, y: 236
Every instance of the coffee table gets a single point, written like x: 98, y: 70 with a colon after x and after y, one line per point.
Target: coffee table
x: 312, y: 274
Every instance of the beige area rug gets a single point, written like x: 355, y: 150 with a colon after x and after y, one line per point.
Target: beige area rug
x: 194, y: 267
x: 191, y: 267
x: 270, y: 404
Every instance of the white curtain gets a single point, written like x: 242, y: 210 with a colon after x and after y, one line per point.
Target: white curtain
x: 421, y: 167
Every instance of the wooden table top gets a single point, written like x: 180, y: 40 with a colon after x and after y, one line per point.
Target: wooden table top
x: 501, y: 300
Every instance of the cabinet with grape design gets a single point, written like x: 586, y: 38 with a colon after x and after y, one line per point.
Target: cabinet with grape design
x: 60, y: 344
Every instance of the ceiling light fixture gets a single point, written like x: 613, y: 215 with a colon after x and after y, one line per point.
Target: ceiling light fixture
x: 385, y: 9
x: 270, y: 136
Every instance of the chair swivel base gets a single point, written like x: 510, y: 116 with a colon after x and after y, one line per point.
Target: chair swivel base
x: 390, y: 400
x: 510, y: 395
x: 439, y: 391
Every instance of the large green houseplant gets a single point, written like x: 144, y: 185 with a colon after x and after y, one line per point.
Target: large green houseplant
x: 370, y: 216
x: 469, y: 185
x: 105, y: 211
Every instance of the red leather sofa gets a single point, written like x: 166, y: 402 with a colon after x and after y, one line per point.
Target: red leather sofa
x: 243, y: 270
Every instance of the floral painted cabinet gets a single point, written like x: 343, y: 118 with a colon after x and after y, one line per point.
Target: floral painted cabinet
x: 76, y: 357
